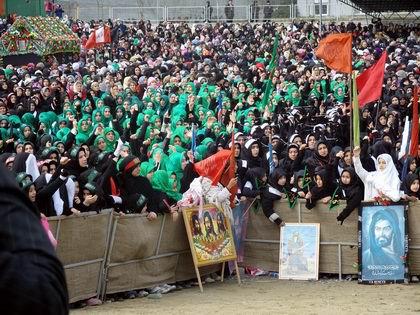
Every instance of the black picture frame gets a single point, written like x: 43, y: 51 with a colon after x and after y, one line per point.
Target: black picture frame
x: 394, y: 268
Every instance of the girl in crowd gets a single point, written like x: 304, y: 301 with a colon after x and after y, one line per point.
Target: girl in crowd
x: 383, y: 183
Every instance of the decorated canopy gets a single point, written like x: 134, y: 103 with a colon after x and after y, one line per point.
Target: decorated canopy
x: 38, y: 35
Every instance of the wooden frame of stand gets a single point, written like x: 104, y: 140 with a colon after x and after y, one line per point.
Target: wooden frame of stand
x: 207, y: 246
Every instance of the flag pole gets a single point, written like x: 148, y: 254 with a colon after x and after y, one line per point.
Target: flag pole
x: 351, y: 109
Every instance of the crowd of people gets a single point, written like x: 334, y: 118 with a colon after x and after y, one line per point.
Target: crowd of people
x: 121, y: 126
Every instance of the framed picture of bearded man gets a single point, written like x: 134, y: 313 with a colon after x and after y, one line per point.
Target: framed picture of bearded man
x: 383, y: 243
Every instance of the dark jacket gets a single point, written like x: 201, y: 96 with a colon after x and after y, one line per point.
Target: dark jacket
x: 32, y: 279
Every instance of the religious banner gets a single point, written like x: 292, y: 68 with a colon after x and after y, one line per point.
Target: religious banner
x: 210, y: 235
x: 299, y: 251
x: 383, y: 243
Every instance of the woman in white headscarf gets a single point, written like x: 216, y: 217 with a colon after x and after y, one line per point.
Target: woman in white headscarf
x: 384, y: 182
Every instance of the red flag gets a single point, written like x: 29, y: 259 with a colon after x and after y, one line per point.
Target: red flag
x: 98, y: 37
x: 230, y: 173
x: 415, y: 127
x: 213, y: 166
x: 369, y: 83
x: 335, y: 49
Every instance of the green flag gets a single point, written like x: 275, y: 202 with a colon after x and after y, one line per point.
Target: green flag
x: 334, y: 202
x: 306, y: 178
x: 291, y: 198
x: 355, y: 111
x: 269, y: 85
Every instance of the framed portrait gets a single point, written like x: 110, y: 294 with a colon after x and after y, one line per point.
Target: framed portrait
x: 299, y: 251
x: 383, y: 243
x: 210, y: 235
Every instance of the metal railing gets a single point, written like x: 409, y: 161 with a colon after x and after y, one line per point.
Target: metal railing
x: 192, y: 13
x: 200, y: 14
x: 154, y: 14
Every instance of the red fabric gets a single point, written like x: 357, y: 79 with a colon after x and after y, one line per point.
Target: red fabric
x: 114, y: 188
x: 213, y: 166
x: 131, y: 164
x: 92, y: 41
x: 369, y: 83
x: 230, y: 173
x: 415, y: 124
x: 335, y: 50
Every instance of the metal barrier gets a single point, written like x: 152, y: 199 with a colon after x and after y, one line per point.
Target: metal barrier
x: 261, y: 13
x: 216, y: 13
x: 153, y: 14
x: 187, y: 14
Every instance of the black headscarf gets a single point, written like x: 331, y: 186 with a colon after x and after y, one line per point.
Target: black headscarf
x: 409, y: 179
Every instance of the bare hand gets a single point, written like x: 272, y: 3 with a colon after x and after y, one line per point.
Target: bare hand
x: 75, y: 211
x: 232, y: 183
x: 151, y: 216
x: 326, y: 199
x: 174, y: 209
x: 340, y: 154
x: 90, y: 200
x: 356, y: 151
x: 64, y: 160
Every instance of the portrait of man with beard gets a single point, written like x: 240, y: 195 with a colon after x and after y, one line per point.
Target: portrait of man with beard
x: 383, y: 250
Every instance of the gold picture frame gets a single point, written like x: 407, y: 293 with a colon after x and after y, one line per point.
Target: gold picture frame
x: 210, y: 237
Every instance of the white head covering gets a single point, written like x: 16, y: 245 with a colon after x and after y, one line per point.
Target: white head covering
x: 386, y: 180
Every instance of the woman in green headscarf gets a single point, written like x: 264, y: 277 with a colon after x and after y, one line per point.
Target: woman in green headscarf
x: 111, y: 138
x: 178, y: 137
x: 176, y: 165
x: 293, y: 96
x: 120, y: 114
x: 339, y: 92
x: 100, y: 143
x: 106, y: 116
x: 163, y: 105
x: 160, y: 181
x: 201, y: 152
x: 97, y: 117
x: 87, y: 107
x: 99, y: 102
x: 29, y: 119
x: 120, y: 99
x: 316, y: 91
x: 147, y: 170
x: 159, y: 159
x: 84, y: 130
x: 27, y: 133
x: 67, y: 106
x: 62, y: 134
x: 47, y: 119
x: 176, y: 121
